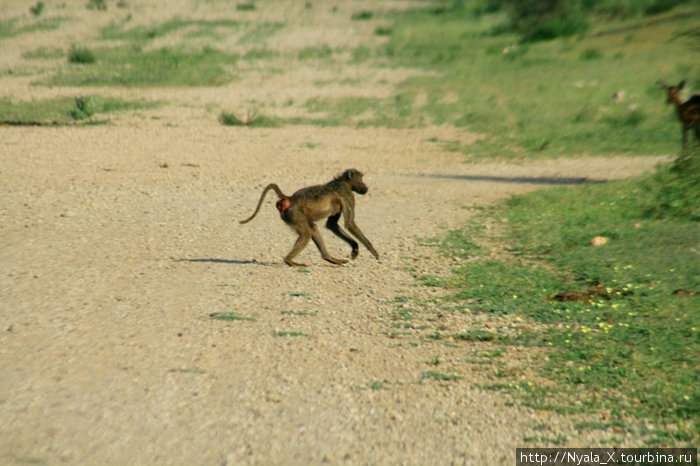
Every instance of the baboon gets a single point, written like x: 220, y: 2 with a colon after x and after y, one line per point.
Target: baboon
x: 308, y: 205
x: 688, y: 111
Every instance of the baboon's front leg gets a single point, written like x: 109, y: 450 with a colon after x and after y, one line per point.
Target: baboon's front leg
x: 358, y: 234
x: 332, y: 224
x: 349, y: 217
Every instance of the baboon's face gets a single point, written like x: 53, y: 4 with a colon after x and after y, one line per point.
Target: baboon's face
x: 356, y: 182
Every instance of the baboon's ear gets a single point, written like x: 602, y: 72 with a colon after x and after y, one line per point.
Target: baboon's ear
x: 680, y: 85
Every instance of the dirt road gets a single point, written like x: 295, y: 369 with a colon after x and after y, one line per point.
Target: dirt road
x: 118, y: 242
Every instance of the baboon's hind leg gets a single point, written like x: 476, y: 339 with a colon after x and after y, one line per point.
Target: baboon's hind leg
x: 332, y: 224
x: 301, y: 242
x: 318, y: 241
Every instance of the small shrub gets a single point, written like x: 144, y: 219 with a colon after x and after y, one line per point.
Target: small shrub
x: 315, y: 53
x: 100, y: 5
x: 37, y: 9
x: 230, y: 119
x: 84, y: 108
x: 674, y: 190
x: 362, y: 16
x: 383, y: 30
x: 662, y: 6
x: 81, y: 55
x: 564, y: 26
x: 592, y: 53
x: 538, y: 20
x: 44, y: 53
x: 475, y: 335
x: 629, y: 119
x: 440, y: 376
x: 251, y: 119
x: 376, y: 385
x: 230, y: 316
x: 245, y: 7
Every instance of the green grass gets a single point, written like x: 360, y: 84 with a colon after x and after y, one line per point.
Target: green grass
x: 258, y: 33
x: 260, y: 54
x: 245, y: 6
x: 100, y: 5
x: 144, y: 34
x: 231, y: 316
x: 528, y: 100
x: 548, y: 98
x: 13, y: 27
x: 132, y: 66
x: 65, y: 110
x: 37, y: 9
x: 135, y: 64
x: 300, y: 313
x: 435, y: 375
x: 81, y: 55
x: 362, y: 15
x: 475, y: 335
x: 395, y: 112
x: 634, y: 348
x: 44, y: 53
x: 377, y: 385
x: 251, y: 33
x: 286, y: 333
x: 315, y: 53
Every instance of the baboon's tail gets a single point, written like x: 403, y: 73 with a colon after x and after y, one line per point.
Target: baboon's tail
x: 262, y: 197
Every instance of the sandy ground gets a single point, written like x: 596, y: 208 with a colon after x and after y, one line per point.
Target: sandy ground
x: 118, y: 242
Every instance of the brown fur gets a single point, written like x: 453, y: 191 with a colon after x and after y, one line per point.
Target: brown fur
x: 688, y: 111
x: 308, y: 205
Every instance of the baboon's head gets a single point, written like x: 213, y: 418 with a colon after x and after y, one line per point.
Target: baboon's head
x: 354, y: 177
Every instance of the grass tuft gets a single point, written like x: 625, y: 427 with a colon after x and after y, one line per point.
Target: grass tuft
x: 440, y: 376
x: 362, y: 15
x: 285, y: 333
x: 99, y: 5
x: 231, y: 316
x: 252, y: 120
x: 135, y: 67
x: 81, y: 55
x: 37, y: 9
x: 84, y: 108
x: 65, y: 110
x: 475, y: 335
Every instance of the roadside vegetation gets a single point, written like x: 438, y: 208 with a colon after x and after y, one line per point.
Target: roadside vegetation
x: 193, y: 61
x: 614, y: 320
x: 590, y: 93
x: 620, y: 321
x: 66, y: 110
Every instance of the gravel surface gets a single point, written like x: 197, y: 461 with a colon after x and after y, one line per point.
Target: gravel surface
x: 118, y: 242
